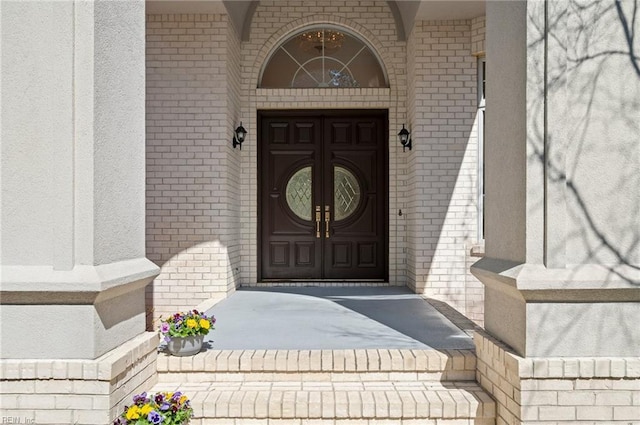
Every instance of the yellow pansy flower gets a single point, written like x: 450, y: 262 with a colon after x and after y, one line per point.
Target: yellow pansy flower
x: 183, y: 399
x: 191, y: 323
x: 144, y: 411
x: 133, y: 413
x: 205, y: 324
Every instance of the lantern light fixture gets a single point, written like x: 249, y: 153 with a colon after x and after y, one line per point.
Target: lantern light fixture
x: 239, y: 136
x: 405, y: 138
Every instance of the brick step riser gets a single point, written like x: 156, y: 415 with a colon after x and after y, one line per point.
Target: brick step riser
x: 323, y: 401
x: 227, y: 421
x: 196, y: 377
x: 448, y: 362
x: 376, y: 408
x: 321, y: 284
x: 332, y: 387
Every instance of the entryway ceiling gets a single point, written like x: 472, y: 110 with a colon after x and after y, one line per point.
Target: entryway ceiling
x: 405, y: 12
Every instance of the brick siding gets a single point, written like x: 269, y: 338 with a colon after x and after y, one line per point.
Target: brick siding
x: 442, y: 169
x: 202, y: 81
x: 83, y: 392
x: 192, y: 171
x: 558, y: 390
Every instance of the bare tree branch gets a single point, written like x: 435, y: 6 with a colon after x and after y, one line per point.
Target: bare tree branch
x: 629, y: 32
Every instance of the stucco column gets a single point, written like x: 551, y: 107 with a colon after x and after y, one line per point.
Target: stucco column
x: 562, y: 266
x: 73, y: 178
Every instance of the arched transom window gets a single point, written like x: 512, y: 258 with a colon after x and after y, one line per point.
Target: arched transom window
x: 323, y: 56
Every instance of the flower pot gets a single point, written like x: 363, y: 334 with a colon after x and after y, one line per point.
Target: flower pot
x: 186, y: 345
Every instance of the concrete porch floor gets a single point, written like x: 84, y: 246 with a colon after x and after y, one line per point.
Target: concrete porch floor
x: 332, y: 318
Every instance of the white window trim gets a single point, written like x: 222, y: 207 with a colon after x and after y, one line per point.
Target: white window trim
x: 481, y: 116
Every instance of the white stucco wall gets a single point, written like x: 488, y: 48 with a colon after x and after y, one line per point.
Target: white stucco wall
x: 602, y: 165
x: 37, y: 129
x: 40, y: 90
x: 505, y: 132
x: 561, y: 271
x: 589, y: 136
x: 118, y: 84
x: 72, y: 177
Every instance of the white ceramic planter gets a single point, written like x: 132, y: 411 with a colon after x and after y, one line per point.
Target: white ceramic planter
x: 185, y: 346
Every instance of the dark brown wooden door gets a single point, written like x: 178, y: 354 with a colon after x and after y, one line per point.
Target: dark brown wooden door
x: 323, y: 195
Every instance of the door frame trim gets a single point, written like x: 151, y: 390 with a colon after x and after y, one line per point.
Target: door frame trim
x: 321, y: 113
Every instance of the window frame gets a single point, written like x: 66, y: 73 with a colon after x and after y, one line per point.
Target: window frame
x: 481, y: 83
x: 322, y: 26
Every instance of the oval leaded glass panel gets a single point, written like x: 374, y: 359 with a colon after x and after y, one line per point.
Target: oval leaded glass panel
x: 323, y: 56
x: 298, y: 193
x: 346, y: 193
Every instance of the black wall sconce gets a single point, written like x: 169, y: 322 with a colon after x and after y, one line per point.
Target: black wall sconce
x: 239, y: 136
x: 405, y: 138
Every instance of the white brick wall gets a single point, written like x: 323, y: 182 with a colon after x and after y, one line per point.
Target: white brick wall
x: 442, y: 168
x: 234, y: 172
x: 558, y: 390
x: 478, y: 35
x: 202, y: 217
x: 78, y: 391
x: 192, y: 170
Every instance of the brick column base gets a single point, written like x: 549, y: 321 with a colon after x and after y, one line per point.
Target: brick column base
x: 50, y: 391
x: 557, y: 390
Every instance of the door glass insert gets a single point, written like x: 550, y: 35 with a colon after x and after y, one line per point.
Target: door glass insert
x: 346, y: 193
x: 298, y: 193
x: 323, y: 56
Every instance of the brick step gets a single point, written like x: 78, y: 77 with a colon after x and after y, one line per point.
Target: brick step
x: 320, y: 284
x: 356, y: 403
x: 319, y: 365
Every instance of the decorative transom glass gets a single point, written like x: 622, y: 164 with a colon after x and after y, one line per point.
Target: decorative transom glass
x: 323, y: 57
x: 298, y: 193
x: 346, y: 193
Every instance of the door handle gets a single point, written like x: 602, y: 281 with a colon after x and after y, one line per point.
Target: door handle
x: 327, y: 219
x: 318, y: 217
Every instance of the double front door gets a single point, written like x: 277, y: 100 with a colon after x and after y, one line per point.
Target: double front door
x: 323, y: 195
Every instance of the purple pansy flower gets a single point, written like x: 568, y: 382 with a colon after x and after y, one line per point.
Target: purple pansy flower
x: 164, y: 328
x: 154, y: 417
x: 140, y: 398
